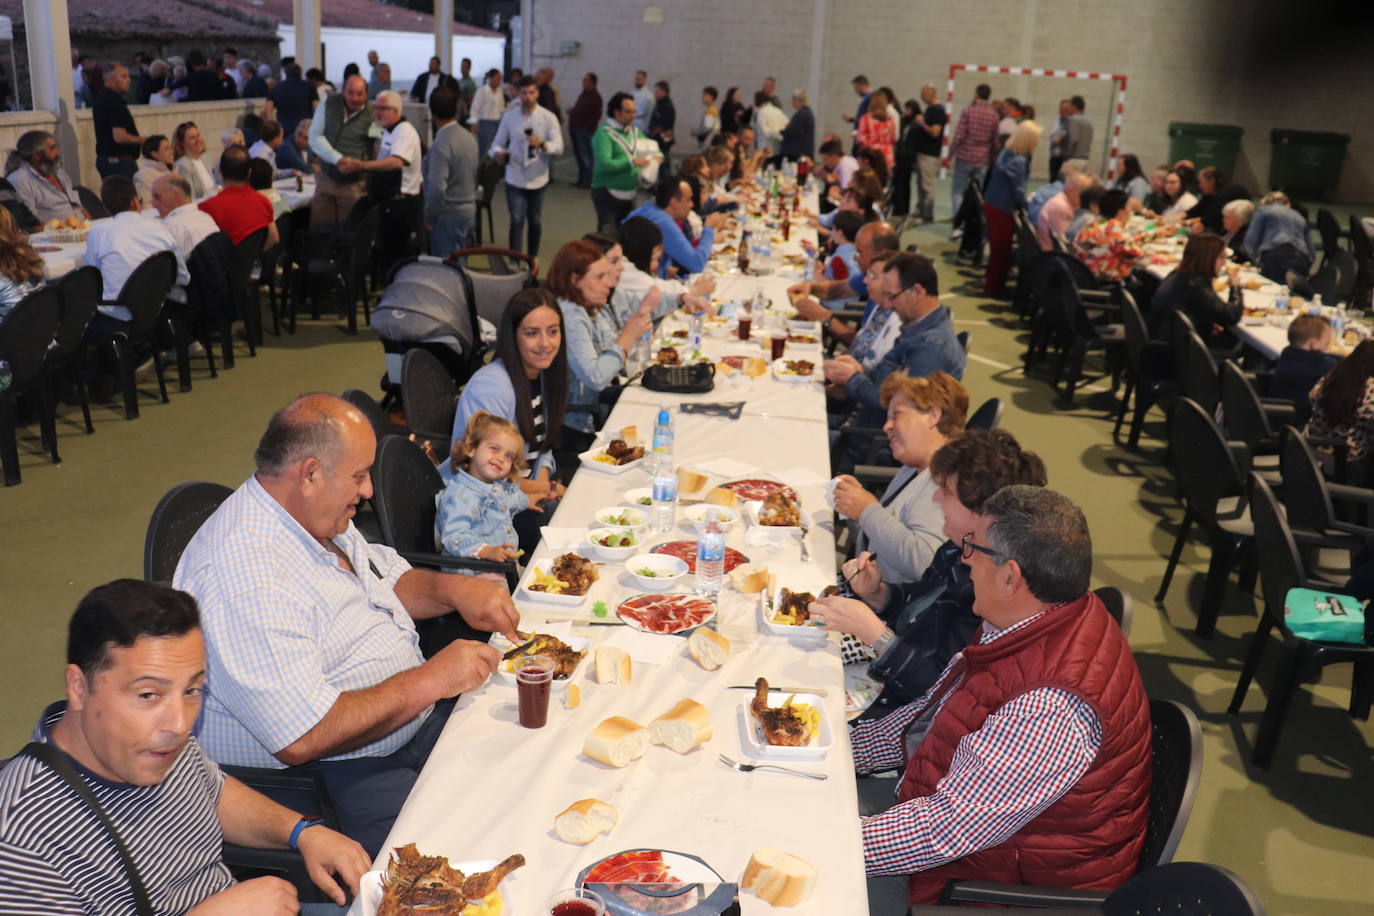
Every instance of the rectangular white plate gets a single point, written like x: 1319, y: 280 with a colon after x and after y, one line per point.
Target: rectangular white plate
x: 507, y: 678
x: 547, y: 597
x: 601, y: 467
x: 753, y: 743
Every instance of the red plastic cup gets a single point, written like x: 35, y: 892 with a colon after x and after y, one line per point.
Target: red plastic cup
x: 746, y: 320
x: 779, y: 343
x: 534, y: 682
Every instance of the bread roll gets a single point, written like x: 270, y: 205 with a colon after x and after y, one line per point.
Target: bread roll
x: 572, y: 696
x: 755, y: 367
x: 612, y: 665
x: 749, y: 578
x: 780, y: 878
x: 708, y: 648
x: 616, y: 741
x: 689, y: 481
x: 683, y: 727
x: 585, y: 820
x: 723, y: 497
x: 631, y: 435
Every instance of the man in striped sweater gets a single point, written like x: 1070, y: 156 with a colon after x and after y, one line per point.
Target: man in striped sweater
x: 135, y: 676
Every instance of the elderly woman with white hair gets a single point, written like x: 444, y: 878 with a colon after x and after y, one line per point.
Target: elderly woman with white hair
x: 799, y: 136
x: 1235, y: 219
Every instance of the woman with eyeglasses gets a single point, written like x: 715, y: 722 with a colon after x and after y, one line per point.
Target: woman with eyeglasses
x: 913, y: 630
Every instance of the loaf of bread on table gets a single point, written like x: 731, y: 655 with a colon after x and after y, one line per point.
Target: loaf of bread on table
x: 780, y: 878
x: 720, y: 496
x: 755, y: 367
x: 689, y: 481
x: 585, y: 820
x: 613, y: 665
x: 749, y: 578
x: 683, y: 727
x: 616, y: 741
x: 708, y: 648
x: 631, y: 435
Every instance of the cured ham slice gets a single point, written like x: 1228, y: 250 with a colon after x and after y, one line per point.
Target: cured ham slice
x: 687, y: 552
x: 755, y: 490
x: 667, y: 613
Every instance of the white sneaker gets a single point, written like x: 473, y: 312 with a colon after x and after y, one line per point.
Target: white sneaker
x: 957, y: 233
x: 197, y: 348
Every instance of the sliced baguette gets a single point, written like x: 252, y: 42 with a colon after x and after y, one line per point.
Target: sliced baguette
x: 708, y: 648
x: 616, y: 741
x: 683, y: 727
x: 754, y: 367
x: 585, y: 820
x: 613, y: 665
x: 720, y: 496
x: 689, y: 481
x: 749, y: 578
x: 780, y: 878
x: 631, y: 436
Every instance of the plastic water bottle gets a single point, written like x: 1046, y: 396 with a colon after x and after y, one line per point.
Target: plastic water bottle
x: 664, y: 498
x: 6, y: 375
x: 710, y: 557
x: 695, y: 323
x: 1281, y: 300
x: 1339, y: 320
x: 1315, y: 306
x: 663, y: 439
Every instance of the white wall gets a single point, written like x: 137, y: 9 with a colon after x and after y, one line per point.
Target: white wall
x: 408, y: 53
x: 1219, y: 61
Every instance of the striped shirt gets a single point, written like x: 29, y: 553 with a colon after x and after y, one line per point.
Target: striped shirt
x: 287, y: 629
x: 1025, y: 756
x: 57, y: 858
x: 535, y: 447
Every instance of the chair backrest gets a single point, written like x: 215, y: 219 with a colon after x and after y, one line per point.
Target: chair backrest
x: 92, y: 202
x: 1137, y: 334
x: 988, y: 415
x: 146, y: 290
x: 1326, y: 282
x: 175, y: 520
x: 364, y: 237
x: 489, y: 178
x: 1306, y: 498
x: 1241, y: 411
x: 272, y: 256
x: 1359, y: 240
x: 1276, y: 551
x: 965, y: 339
x: 429, y: 395
x: 27, y: 330
x: 1191, y: 888
x: 213, y: 267
x: 1175, y: 771
x: 1201, y: 381
x: 246, y: 254
x: 381, y: 426
x: 1144, y: 285
x: 404, y: 484
x: 1119, y: 604
x: 80, y: 298
x: 1344, y: 262
x: 1207, y: 470
x: 1083, y: 277
x: 1329, y: 230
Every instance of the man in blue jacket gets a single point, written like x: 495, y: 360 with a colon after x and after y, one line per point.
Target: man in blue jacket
x: 668, y: 211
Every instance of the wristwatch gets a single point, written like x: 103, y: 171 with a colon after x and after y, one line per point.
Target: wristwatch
x: 309, y: 820
x: 883, y: 641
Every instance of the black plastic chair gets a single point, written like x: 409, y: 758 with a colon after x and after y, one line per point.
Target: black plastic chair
x: 25, y: 334
x: 1198, y: 375
x: 1249, y: 419
x: 1149, y: 371
x: 80, y: 298
x: 1330, y: 232
x: 245, y: 290
x: 1310, y: 511
x: 489, y: 175
x: 92, y: 202
x: 1213, y: 484
x: 1119, y: 604
x: 429, y: 396
x: 381, y: 426
x: 340, y: 256
x: 1363, y: 253
x: 210, y: 304
x: 1175, y: 772
x: 965, y: 339
x: 988, y: 416
x: 175, y: 520
x: 275, y: 269
x: 143, y: 295
x: 1299, y: 659
x: 1079, y: 333
x: 405, y: 483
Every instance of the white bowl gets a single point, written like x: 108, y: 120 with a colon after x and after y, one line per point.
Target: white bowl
x: 670, y: 571
x: 696, y: 516
x: 616, y: 554
x: 637, y: 497
x: 635, y: 520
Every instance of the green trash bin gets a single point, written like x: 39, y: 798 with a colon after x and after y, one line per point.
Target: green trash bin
x: 1307, y: 163
x: 1205, y: 144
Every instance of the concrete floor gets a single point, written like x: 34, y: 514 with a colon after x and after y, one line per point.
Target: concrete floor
x: 1301, y: 833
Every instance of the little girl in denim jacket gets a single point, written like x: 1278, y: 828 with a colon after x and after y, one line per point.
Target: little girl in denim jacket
x: 475, y: 508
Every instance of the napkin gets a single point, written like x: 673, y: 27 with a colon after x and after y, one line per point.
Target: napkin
x: 764, y: 536
x: 801, y: 477
x: 563, y: 538
x: 726, y: 467
x: 644, y: 648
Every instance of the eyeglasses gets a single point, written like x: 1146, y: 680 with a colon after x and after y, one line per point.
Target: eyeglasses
x: 970, y: 547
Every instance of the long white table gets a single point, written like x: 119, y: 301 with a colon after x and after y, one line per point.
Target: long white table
x: 71, y: 255
x: 492, y: 788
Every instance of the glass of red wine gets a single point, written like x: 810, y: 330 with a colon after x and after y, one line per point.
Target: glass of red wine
x: 577, y: 902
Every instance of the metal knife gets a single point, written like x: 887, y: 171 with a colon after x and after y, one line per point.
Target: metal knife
x: 815, y: 690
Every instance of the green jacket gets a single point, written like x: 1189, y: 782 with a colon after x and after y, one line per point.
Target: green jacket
x: 613, y: 149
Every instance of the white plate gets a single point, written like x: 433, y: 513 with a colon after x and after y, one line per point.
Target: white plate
x: 781, y: 374
x: 547, y: 597
x: 661, y: 563
x: 802, y: 347
x: 632, y: 498
x: 805, y: 327
x: 806, y: 632
x: 751, y: 513
x: 614, y: 554
x: 753, y: 742
x: 370, y: 884
x: 636, y: 625
x: 507, y: 678
x: 602, y: 518
x: 600, y: 467
x: 696, y: 516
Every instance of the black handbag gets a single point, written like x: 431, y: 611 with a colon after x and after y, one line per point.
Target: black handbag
x: 696, y: 378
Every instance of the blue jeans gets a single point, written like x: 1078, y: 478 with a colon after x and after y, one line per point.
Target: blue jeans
x: 486, y: 132
x: 964, y: 172
x: 525, y: 205
x: 449, y: 234
x: 582, y: 149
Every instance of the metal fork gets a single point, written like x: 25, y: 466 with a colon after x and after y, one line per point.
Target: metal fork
x: 750, y: 767
x: 805, y: 530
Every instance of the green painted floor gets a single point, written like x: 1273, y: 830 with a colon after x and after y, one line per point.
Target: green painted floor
x: 1301, y: 833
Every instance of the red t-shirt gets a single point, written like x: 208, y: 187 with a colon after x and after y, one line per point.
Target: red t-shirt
x: 240, y: 211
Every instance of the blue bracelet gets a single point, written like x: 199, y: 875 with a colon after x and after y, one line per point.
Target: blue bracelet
x: 308, y: 821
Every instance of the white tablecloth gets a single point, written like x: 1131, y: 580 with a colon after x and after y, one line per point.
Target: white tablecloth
x: 69, y: 257
x: 492, y: 788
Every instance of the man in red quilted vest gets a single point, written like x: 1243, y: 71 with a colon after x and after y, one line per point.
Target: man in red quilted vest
x: 1028, y: 762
